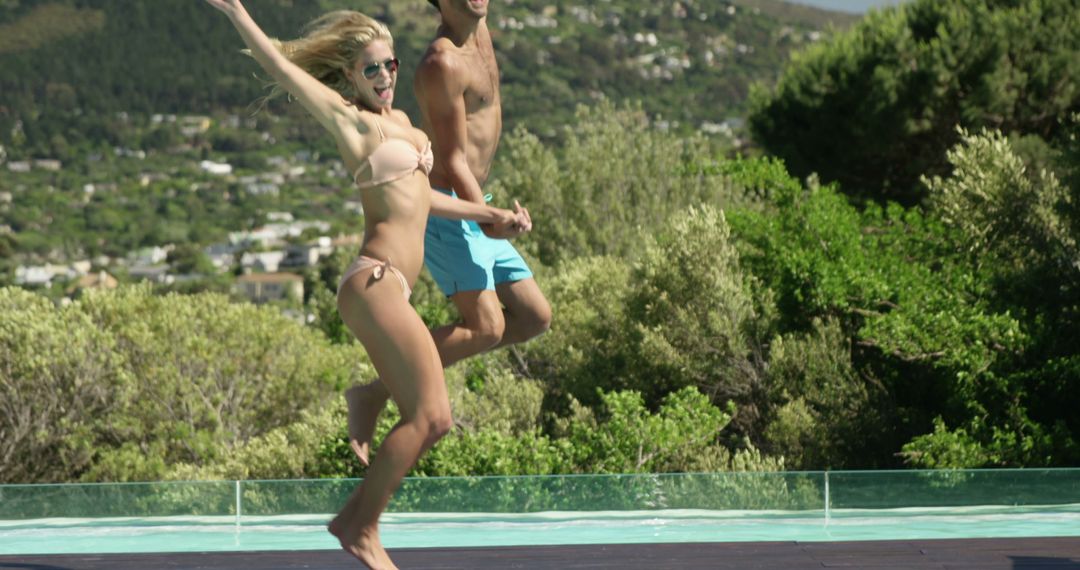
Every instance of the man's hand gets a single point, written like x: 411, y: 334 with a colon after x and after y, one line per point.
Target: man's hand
x: 511, y: 224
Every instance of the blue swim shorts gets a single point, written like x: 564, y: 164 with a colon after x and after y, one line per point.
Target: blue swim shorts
x: 461, y: 258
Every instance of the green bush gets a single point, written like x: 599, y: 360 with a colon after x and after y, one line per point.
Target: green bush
x: 1005, y: 214
x: 819, y: 403
x: 614, y: 180
x: 132, y: 383
x: 59, y: 376
x: 945, y: 449
x: 682, y: 316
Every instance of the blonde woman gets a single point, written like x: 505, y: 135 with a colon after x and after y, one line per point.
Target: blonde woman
x: 343, y: 71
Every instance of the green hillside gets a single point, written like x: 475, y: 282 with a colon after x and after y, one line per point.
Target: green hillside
x: 691, y: 61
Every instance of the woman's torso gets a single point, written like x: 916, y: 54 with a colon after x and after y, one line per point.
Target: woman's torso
x: 392, y: 181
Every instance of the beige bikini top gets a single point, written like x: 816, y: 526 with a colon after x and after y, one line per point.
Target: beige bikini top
x: 394, y: 158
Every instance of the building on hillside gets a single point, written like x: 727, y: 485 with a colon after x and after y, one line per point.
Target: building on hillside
x: 49, y: 164
x: 266, y: 287
x: 279, y: 216
x: 307, y: 254
x: 261, y: 262
x: 351, y: 241
x: 42, y: 275
x: 194, y: 125
x: 222, y: 255
x: 217, y: 168
x: 158, y: 273
x: 96, y: 280
x: 151, y: 255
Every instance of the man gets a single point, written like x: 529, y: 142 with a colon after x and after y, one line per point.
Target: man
x: 457, y: 87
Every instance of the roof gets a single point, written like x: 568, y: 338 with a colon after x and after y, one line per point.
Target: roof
x: 270, y: 278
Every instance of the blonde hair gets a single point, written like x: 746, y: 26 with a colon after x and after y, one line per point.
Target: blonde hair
x: 330, y: 45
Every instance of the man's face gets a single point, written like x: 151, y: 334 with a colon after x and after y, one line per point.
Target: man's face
x: 474, y: 8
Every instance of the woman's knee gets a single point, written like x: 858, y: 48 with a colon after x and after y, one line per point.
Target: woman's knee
x: 436, y: 424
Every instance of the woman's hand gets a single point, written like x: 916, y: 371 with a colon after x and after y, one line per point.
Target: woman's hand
x: 229, y: 7
x: 524, y: 219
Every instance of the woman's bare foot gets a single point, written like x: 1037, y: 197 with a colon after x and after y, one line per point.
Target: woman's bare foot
x: 365, y: 403
x: 366, y: 547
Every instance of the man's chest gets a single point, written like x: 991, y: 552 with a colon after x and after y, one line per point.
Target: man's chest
x: 482, y: 87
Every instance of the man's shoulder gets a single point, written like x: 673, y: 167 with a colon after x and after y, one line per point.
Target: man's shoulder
x: 440, y: 52
x: 439, y: 63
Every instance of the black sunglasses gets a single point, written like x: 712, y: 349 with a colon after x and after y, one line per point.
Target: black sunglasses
x: 372, y: 70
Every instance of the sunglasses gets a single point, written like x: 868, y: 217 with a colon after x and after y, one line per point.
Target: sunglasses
x: 372, y: 70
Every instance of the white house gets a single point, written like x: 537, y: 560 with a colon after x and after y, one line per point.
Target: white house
x: 41, y: 275
x: 149, y: 255
x: 309, y: 254
x: 154, y: 273
x: 264, y: 262
x: 216, y: 168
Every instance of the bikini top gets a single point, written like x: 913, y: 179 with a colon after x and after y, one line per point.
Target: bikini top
x: 394, y: 158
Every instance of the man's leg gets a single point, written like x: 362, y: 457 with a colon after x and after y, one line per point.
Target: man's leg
x: 527, y: 312
x: 480, y: 329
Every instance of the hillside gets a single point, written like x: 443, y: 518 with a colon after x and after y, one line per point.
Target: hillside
x: 128, y: 98
x: 690, y: 61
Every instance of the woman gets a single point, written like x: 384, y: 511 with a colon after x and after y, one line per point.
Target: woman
x: 343, y: 71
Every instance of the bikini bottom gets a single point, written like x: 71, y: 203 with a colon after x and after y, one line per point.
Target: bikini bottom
x: 381, y: 267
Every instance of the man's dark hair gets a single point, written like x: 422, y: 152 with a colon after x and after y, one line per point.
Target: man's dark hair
x: 435, y: 3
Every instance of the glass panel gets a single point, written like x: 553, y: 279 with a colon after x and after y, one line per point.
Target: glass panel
x: 202, y: 498
x: 959, y: 488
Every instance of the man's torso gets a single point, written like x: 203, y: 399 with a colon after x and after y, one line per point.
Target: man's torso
x: 483, y: 108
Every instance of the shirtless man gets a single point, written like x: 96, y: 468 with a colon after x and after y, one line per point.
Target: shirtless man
x: 457, y: 86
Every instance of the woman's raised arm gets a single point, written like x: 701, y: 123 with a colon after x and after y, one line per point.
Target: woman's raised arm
x: 325, y: 104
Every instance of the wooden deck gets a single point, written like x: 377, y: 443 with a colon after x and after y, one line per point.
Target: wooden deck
x: 966, y: 554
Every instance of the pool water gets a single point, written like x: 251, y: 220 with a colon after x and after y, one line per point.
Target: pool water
x: 307, y: 532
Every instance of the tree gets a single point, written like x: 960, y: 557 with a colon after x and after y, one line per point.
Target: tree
x: 877, y: 106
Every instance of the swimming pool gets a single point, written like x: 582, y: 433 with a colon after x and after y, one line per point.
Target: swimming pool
x: 253, y: 515
x: 300, y: 532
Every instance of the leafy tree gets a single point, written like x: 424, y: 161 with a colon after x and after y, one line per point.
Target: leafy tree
x: 876, y: 107
x: 1019, y: 226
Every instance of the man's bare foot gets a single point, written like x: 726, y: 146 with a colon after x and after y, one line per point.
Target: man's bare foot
x: 365, y: 403
x: 366, y: 547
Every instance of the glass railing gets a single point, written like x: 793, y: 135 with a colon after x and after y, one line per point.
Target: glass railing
x: 808, y: 493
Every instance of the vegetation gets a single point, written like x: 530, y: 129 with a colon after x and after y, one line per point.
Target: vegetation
x: 877, y: 107
x: 710, y: 313
x: 554, y: 54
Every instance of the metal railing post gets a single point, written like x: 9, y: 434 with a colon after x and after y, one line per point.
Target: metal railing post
x: 827, y: 498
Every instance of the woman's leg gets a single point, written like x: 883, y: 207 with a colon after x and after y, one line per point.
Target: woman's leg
x: 365, y: 403
x: 405, y: 357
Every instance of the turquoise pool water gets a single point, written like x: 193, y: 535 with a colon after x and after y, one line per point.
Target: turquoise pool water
x: 307, y: 532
